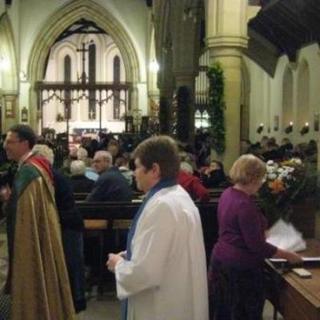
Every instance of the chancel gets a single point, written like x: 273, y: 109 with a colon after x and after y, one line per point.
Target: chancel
x: 222, y: 77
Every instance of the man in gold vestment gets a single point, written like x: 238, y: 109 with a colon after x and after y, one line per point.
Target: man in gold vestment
x: 37, y: 281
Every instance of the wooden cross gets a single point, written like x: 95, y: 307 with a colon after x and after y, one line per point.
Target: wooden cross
x: 83, y: 50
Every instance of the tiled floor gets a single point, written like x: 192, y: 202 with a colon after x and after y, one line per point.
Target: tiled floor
x: 106, y: 307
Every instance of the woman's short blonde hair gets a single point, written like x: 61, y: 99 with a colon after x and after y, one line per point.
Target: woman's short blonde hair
x: 246, y: 169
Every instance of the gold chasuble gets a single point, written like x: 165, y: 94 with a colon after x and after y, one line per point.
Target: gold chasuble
x: 38, y: 278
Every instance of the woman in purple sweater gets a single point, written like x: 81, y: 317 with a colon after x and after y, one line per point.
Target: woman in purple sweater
x: 236, y: 279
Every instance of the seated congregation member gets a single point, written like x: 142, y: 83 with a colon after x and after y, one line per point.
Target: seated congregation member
x: 72, y: 230
x: 122, y: 163
x: 214, y: 176
x: 162, y: 274
x: 80, y: 183
x: 111, y: 184
x: 236, y: 280
x: 191, y: 183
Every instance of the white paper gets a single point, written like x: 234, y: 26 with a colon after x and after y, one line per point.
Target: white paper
x: 285, y: 236
x: 304, y: 259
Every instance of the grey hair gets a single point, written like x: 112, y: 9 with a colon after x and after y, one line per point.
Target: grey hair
x: 77, y: 168
x: 82, y: 154
x: 44, y: 151
x: 104, y: 154
x: 187, y: 167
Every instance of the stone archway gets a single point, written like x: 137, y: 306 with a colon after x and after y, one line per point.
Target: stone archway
x: 8, y: 77
x: 61, y: 20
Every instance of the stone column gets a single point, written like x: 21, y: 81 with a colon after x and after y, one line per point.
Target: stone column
x: 226, y: 37
x: 187, y: 79
x: 166, y: 89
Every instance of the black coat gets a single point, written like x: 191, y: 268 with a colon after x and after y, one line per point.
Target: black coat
x: 81, y: 184
x: 111, y: 186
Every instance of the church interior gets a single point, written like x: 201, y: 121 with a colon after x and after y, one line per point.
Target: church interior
x: 81, y: 69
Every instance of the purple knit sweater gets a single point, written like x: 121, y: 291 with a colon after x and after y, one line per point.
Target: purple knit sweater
x: 242, y: 228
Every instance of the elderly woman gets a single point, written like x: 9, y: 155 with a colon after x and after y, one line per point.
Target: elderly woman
x: 236, y: 279
x: 79, y: 181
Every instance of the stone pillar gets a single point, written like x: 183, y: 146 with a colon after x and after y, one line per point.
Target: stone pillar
x: 166, y: 89
x: 165, y: 111
x: 187, y: 79
x: 226, y: 37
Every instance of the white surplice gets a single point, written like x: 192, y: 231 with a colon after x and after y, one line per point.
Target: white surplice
x: 166, y: 278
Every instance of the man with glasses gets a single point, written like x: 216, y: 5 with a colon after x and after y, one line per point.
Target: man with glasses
x: 111, y: 184
x: 37, y: 280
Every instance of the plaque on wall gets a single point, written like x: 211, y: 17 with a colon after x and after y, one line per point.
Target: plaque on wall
x: 10, y: 106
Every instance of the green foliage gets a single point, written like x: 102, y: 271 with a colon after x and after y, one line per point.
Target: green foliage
x: 216, y: 107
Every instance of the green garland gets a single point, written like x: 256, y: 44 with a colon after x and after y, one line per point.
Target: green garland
x: 216, y: 107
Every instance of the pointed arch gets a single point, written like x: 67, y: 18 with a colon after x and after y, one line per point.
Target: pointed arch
x: 7, y: 51
x: 61, y: 20
x: 68, y: 15
x: 303, y: 97
x: 287, y: 98
x: 67, y: 68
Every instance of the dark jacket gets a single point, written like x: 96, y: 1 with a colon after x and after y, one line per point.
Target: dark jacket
x: 110, y: 186
x: 81, y: 184
x: 69, y: 215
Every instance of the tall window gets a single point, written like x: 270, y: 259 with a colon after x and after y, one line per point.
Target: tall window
x: 92, y: 79
x: 287, y: 98
x: 116, y: 93
x: 67, y: 79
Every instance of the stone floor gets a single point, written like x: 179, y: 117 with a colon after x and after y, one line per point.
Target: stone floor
x: 105, y: 307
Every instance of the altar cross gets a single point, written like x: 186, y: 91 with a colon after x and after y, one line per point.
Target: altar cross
x: 83, y: 50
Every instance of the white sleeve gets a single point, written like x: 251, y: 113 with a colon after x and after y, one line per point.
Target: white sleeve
x: 150, y: 251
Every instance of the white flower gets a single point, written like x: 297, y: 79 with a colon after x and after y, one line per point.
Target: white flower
x: 284, y: 174
x: 296, y: 161
x: 270, y: 163
x: 272, y: 176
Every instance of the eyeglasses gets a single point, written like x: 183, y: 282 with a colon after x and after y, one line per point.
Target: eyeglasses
x: 12, y: 141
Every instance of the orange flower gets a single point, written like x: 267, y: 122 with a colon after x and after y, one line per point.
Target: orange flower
x: 276, y: 186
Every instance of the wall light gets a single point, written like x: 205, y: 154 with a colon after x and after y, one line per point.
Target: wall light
x: 305, y: 129
x: 154, y: 66
x: 4, y: 63
x: 289, y: 128
x: 260, y: 128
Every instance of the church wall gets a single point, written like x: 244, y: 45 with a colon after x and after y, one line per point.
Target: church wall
x: 266, y: 96
x: 29, y: 17
x: 131, y: 14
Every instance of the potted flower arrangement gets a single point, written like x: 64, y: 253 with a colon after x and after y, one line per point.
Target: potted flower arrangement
x: 284, y: 182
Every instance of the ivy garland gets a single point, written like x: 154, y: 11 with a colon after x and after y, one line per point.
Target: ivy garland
x: 216, y: 107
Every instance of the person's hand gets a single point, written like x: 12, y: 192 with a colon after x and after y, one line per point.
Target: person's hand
x: 291, y: 257
x: 113, y: 259
x: 294, y: 258
x: 5, y: 193
x: 123, y: 254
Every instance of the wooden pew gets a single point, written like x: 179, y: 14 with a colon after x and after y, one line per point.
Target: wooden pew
x: 112, y: 212
x: 214, y: 193
x: 81, y: 196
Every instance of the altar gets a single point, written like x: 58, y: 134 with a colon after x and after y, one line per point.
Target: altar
x: 293, y: 297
